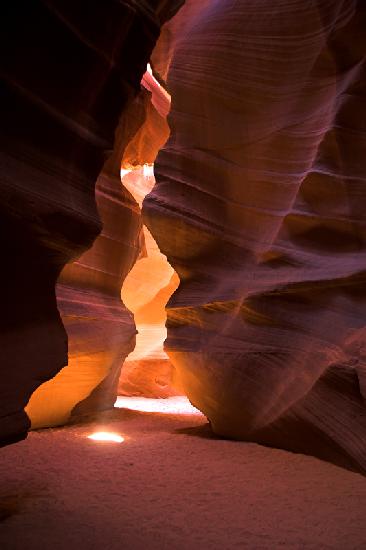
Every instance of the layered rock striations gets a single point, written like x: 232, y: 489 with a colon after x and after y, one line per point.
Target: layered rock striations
x: 175, y: 30
x: 148, y: 286
x: 260, y: 208
x: 146, y: 290
x: 100, y: 329
x: 65, y: 78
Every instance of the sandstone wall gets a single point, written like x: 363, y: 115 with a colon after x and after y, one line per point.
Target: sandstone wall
x: 148, y: 371
x: 260, y: 208
x: 66, y: 75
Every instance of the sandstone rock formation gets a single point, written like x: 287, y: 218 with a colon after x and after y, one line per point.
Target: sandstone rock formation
x: 260, y: 208
x: 100, y: 329
x: 145, y: 291
x: 148, y: 286
x: 175, y: 30
x: 66, y: 75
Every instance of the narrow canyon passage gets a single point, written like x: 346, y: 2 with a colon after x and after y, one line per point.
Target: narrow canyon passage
x: 145, y: 291
x: 183, y: 343
x: 112, y: 299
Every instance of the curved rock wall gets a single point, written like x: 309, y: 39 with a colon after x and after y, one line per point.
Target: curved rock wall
x: 260, y: 208
x: 66, y: 75
x: 150, y: 283
x: 146, y: 290
x: 100, y: 329
x: 172, y: 33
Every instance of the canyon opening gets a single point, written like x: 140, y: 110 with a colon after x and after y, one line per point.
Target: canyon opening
x: 183, y: 321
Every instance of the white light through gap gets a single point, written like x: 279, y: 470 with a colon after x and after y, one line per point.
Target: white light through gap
x: 124, y: 172
x: 170, y: 405
x: 148, y: 170
x: 106, y: 436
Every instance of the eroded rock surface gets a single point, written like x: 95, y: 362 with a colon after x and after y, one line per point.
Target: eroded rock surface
x: 100, y: 329
x: 66, y: 75
x: 260, y: 208
x: 150, y: 283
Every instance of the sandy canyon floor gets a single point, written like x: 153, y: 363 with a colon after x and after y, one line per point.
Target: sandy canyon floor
x: 171, y: 485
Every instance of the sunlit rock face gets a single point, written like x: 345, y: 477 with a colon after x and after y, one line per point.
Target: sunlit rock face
x: 148, y: 286
x: 146, y: 290
x: 61, y: 103
x: 260, y: 208
x: 101, y: 330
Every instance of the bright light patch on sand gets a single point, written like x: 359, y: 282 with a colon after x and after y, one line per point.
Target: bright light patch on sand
x: 171, y: 405
x: 106, y: 436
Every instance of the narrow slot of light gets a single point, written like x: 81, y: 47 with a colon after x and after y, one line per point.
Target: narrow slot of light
x: 124, y: 172
x: 106, y: 436
x: 170, y: 405
x: 148, y: 170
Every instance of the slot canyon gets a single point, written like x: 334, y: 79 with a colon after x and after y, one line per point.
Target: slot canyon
x: 183, y: 327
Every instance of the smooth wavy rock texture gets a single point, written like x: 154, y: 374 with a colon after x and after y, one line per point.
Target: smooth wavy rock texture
x: 101, y: 330
x: 148, y: 371
x: 175, y: 30
x: 260, y: 208
x: 146, y: 289
x: 67, y: 73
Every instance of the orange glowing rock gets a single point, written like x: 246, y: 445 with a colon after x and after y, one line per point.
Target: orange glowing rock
x: 148, y: 286
x: 100, y: 329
